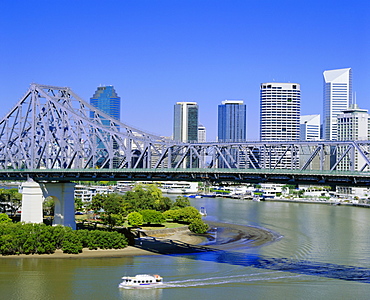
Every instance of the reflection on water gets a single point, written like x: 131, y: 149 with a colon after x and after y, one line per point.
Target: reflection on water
x: 143, y: 294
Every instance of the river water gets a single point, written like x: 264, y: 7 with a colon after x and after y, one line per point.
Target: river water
x: 320, y: 252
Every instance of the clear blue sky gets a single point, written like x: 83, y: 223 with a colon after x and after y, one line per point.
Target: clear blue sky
x: 158, y: 52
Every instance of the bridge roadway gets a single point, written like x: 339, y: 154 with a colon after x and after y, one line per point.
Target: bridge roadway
x: 283, y: 176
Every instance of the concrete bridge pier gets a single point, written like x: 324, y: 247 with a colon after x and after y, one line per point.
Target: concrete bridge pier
x: 32, y: 198
x: 34, y: 194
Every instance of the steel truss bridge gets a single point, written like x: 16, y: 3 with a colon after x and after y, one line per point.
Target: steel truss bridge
x: 51, y: 134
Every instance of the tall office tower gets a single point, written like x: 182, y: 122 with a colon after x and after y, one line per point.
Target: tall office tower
x: 337, y: 98
x: 310, y: 128
x: 185, y: 125
x: 279, y: 121
x: 232, y: 118
x: 106, y: 99
x: 352, y: 125
x: 280, y: 111
x: 202, y: 137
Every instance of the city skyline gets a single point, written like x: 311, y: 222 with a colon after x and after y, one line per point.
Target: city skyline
x: 166, y: 52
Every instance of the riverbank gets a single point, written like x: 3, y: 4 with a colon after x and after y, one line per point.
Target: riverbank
x: 327, y: 202
x: 175, y: 242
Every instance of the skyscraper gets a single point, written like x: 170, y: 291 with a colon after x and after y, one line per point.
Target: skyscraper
x: 185, y: 124
x: 232, y: 117
x: 310, y: 128
x: 106, y: 99
x: 280, y: 111
x: 337, y: 98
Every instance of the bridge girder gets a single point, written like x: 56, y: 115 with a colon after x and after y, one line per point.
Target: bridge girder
x: 53, y: 128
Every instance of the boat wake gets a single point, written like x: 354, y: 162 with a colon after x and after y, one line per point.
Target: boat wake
x: 232, y: 279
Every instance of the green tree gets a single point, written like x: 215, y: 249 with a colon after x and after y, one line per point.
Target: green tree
x: 181, y: 202
x: 10, y: 200
x: 113, y: 220
x: 79, y: 205
x: 112, y: 206
x: 135, y: 219
x: 151, y: 216
x: 146, y: 197
x: 48, y: 206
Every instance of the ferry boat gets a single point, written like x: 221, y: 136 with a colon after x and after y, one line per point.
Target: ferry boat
x: 141, y: 281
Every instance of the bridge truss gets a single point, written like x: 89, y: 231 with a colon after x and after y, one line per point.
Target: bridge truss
x: 53, y: 128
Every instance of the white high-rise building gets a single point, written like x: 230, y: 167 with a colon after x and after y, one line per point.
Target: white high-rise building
x: 280, y: 111
x: 202, y: 137
x: 185, y: 124
x: 337, y: 98
x: 280, y: 115
x: 310, y: 128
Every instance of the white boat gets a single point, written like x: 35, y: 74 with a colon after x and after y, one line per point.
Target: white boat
x: 256, y: 198
x: 141, y: 281
x: 203, y: 211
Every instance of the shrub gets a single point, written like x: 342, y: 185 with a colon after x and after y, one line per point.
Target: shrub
x: 198, y: 226
x: 172, y: 214
x: 151, y: 216
x: 5, y: 219
x: 189, y: 214
x: 72, y: 243
x: 21, y: 238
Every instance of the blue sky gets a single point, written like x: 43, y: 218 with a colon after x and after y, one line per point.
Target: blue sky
x: 158, y: 52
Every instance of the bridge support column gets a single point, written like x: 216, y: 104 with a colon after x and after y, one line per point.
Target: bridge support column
x: 63, y: 195
x: 32, y: 198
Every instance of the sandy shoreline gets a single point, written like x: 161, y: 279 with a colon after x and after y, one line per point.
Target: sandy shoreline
x: 174, y: 243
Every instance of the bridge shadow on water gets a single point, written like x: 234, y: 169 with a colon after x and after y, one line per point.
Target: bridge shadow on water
x: 208, y: 253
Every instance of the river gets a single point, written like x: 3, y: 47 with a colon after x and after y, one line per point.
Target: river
x: 320, y: 252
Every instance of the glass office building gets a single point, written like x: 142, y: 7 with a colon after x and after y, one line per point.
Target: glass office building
x: 106, y: 99
x: 232, y: 118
